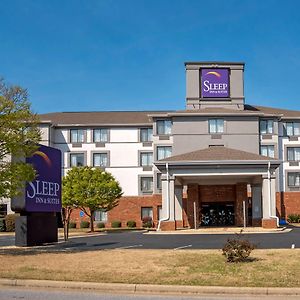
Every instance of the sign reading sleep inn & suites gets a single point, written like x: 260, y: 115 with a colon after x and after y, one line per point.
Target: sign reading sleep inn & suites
x: 44, y: 193
x: 215, y: 83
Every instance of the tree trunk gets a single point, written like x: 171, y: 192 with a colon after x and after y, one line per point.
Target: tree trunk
x: 92, y: 220
x: 66, y: 214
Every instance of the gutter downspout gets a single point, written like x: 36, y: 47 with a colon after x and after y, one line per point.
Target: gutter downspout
x: 168, y: 199
x: 270, y: 193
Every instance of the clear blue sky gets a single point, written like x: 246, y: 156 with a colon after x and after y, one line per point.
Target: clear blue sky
x: 129, y: 54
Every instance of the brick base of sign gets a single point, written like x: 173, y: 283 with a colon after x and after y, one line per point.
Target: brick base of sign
x: 269, y: 223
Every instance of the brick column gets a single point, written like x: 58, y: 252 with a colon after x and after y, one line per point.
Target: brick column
x: 241, y: 195
x: 192, y: 196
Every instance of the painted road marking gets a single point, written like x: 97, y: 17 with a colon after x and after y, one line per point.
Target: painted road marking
x: 127, y: 247
x: 182, y: 247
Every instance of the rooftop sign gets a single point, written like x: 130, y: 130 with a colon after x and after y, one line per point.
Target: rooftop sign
x: 215, y: 83
x: 44, y: 193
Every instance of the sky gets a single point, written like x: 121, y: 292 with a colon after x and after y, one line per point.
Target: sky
x: 95, y: 55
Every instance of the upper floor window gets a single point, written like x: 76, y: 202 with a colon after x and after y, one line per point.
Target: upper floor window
x: 146, y: 184
x: 100, y: 160
x: 158, y: 181
x: 76, y: 159
x: 294, y: 179
x: 100, y: 135
x: 163, y: 152
x: 77, y: 135
x: 266, y: 126
x: 267, y: 150
x: 293, y: 154
x: 146, y: 159
x: 216, y: 125
x: 146, y: 134
x: 163, y: 127
x: 292, y: 128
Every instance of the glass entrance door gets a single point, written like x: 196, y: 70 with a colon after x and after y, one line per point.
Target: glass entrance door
x: 217, y: 214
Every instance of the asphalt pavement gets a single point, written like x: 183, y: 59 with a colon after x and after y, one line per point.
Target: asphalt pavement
x: 144, y: 240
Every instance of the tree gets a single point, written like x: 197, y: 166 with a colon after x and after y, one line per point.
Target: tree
x: 19, y: 135
x: 91, y: 189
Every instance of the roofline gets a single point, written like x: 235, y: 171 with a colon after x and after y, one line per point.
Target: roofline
x: 105, y: 124
x: 216, y: 162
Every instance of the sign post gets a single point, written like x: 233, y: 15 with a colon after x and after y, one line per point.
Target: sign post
x: 41, y: 200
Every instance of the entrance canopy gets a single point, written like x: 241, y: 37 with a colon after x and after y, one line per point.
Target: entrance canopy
x: 212, y: 171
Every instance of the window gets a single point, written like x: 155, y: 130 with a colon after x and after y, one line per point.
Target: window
x: 3, y: 210
x: 100, y: 160
x: 163, y: 127
x: 76, y: 159
x: 147, y: 212
x: 294, y: 179
x: 266, y: 126
x: 146, y: 134
x: 146, y: 159
x: 267, y: 150
x: 77, y: 135
x: 100, y: 216
x: 293, y: 154
x: 100, y: 135
x: 163, y: 152
x: 146, y: 184
x: 292, y: 128
x: 216, y: 125
x: 158, y: 181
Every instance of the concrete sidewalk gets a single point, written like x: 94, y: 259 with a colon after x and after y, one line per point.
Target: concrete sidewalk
x: 224, y: 230
x: 151, y: 289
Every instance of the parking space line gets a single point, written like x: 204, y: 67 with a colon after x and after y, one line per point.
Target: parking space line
x: 127, y: 247
x: 182, y: 247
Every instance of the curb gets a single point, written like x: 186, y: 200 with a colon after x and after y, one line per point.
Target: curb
x: 150, y: 288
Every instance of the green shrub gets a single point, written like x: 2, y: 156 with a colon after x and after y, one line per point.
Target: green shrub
x: 10, y: 221
x: 294, y: 218
x: 101, y: 225
x: 2, y: 225
x: 237, y: 249
x: 116, y: 224
x: 131, y: 224
x: 72, y: 224
x: 84, y: 224
x: 147, y: 222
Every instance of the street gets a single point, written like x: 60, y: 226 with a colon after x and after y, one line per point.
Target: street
x: 144, y: 240
x: 8, y: 293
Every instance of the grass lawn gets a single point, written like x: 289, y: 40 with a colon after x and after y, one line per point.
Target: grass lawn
x: 276, y: 268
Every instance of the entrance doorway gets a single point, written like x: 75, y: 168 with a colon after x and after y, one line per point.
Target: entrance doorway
x: 217, y: 214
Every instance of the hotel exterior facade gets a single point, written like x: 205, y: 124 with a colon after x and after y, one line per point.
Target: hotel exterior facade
x: 219, y: 162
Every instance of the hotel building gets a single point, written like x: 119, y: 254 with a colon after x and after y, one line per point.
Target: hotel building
x: 218, y: 162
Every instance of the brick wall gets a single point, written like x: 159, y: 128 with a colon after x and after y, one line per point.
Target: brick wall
x: 129, y: 208
x: 287, y: 203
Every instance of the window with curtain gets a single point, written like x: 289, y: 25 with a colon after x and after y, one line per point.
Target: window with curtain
x: 146, y: 134
x: 100, y: 216
x: 292, y: 128
x: 294, y: 179
x: 163, y: 152
x: 163, y: 127
x: 267, y: 150
x: 146, y: 159
x: 100, y: 160
x: 147, y: 212
x: 77, y: 135
x: 147, y: 184
x: 293, y: 154
x: 76, y: 159
x: 100, y: 135
x: 216, y: 125
x: 266, y: 126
